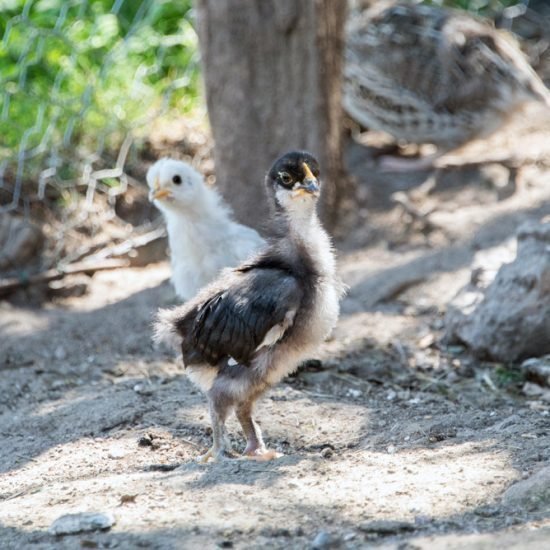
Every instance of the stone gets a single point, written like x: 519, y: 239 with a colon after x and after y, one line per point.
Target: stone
x: 537, y: 370
x: 507, y: 317
x: 534, y: 391
x: 327, y: 452
x: 60, y: 353
x: 323, y: 540
x: 20, y: 242
x: 533, y: 492
x: 70, y: 524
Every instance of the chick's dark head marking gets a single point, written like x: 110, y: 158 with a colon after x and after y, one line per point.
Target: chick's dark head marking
x: 294, y: 180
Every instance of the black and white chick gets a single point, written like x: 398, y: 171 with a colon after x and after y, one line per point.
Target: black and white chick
x: 202, y: 235
x: 253, y: 325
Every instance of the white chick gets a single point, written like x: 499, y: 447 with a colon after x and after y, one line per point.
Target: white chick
x: 202, y: 235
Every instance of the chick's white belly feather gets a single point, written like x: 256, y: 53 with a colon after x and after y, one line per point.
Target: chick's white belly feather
x: 197, y: 262
x: 203, y: 376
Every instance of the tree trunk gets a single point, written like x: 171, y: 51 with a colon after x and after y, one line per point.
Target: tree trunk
x: 272, y: 70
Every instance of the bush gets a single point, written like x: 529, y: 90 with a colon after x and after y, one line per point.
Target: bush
x: 78, y: 75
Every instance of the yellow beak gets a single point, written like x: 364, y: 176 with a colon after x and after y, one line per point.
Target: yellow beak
x: 159, y: 193
x: 307, y: 170
x: 309, y: 185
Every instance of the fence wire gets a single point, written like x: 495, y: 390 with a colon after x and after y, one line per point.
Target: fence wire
x: 79, y: 80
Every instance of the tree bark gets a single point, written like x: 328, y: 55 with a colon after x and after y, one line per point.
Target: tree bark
x: 272, y: 72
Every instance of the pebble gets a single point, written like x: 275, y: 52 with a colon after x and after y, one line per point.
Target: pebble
x: 391, y: 395
x: 327, y: 452
x: 146, y: 440
x: 60, y: 353
x: 144, y: 389
x: 534, y: 390
x: 323, y: 540
x: 116, y: 452
x: 69, y: 524
x: 537, y: 370
x: 533, y: 492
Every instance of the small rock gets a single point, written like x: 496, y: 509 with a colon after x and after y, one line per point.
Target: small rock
x: 126, y: 499
x: 534, y: 390
x: 69, y: 524
x: 147, y: 441
x: 426, y: 341
x: 441, y: 432
x: 327, y: 452
x: 60, y: 353
x: 20, y: 242
x: 323, y: 540
x: 386, y: 527
x: 507, y: 317
x: 537, y: 370
x: 144, y: 389
x: 533, y: 492
x: 116, y: 452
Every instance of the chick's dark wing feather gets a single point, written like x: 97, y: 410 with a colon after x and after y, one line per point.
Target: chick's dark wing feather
x: 234, y: 322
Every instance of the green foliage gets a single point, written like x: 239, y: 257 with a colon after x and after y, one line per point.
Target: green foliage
x: 82, y: 73
x: 482, y: 7
x: 508, y: 376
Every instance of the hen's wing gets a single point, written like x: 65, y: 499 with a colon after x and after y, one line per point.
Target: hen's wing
x: 259, y: 305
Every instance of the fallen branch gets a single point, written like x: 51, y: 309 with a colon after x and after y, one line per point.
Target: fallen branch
x: 8, y: 286
x: 130, y: 246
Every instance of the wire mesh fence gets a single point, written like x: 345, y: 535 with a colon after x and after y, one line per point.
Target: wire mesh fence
x: 81, y: 82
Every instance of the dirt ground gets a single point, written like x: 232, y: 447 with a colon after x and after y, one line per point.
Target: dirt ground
x: 391, y: 439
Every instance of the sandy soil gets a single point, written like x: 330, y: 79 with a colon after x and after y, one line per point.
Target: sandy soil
x: 392, y: 439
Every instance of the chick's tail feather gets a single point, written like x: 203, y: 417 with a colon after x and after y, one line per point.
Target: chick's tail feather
x: 164, y: 327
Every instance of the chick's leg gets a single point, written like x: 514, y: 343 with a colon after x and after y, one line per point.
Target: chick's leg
x: 255, y: 446
x: 219, y: 410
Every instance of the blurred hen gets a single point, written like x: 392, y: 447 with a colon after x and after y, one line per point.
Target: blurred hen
x: 426, y: 74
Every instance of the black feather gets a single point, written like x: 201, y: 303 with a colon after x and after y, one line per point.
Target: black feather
x: 233, y: 323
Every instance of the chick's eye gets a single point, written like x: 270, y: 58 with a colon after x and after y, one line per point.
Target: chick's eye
x: 286, y: 178
x: 176, y: 179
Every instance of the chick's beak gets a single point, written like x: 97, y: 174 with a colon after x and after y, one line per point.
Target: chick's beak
x: 309, y: 185
x: 158, y: 193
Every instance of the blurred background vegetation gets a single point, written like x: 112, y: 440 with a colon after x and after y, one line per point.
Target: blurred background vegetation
x: 486, y: 7
x: 78, y: 77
